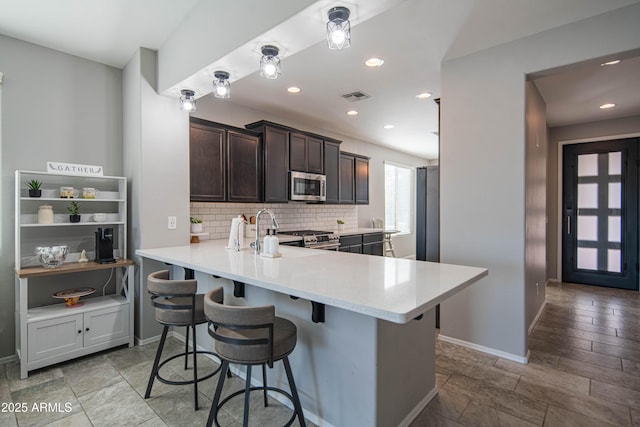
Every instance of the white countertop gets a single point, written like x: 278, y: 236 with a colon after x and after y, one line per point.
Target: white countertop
x: 352, y: 231
x: 392, y: 289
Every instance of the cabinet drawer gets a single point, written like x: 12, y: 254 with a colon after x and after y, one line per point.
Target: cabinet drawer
x: 356, y: 239
x: 372, y: 238
x: 53, y: 337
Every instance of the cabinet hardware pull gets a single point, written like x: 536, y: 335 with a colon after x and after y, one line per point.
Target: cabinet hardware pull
x: 568, y: 224
x: 87, y: 329
x: 79, y: 331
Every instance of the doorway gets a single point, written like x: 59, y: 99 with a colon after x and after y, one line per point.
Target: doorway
x: 600, y: 213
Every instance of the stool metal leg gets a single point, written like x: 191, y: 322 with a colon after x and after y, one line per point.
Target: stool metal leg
x: 247, y: 391
x: 294, y: 391
x: 213, y: 413
x: 156, y: 362
x: 195, y: 366
x: 264, y: 384
x: 186, y: 348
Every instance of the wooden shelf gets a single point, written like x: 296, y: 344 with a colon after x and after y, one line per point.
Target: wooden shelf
x: 67, y: 224
x: 71, y: 267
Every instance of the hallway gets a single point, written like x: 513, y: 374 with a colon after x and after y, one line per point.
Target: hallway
x: 584, y: 368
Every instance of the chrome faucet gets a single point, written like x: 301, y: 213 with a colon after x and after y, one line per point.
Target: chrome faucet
x: 256, y: 245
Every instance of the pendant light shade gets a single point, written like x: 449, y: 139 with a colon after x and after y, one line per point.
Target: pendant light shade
x: 270, y: 63
x: 187, y: 101
x: 338, y: 28
x: 221, y: 86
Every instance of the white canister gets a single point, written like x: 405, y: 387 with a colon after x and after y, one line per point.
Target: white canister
x: 45, y: 214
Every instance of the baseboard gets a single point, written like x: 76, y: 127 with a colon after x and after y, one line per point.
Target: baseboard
x: 419, y: 408
x: 8, y: 359
x: 535, y: 319
x: 156, y: 338
x: 488, y: 350
x: 410, y: 256
x: 551, y: 280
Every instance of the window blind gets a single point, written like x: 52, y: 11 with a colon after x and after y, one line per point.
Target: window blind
x: 398, y: 188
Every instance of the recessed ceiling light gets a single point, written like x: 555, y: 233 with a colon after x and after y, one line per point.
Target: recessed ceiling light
x: 293, y: 89
x: 374, y: 62
x: 617, y: 61
x: 605, y: 106
x: 352, y: 113
x: 423, y: 95
x: 389, y: 126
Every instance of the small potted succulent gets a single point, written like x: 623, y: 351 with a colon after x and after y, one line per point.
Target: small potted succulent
x: 74, y: 212
x: 196, y: 225
x: 34, y: 188
x: 340, y: 224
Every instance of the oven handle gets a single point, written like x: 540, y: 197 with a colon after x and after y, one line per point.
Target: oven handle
x: 328, y: 246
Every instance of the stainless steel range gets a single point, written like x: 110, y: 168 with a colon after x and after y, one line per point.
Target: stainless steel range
x: 316, y: 239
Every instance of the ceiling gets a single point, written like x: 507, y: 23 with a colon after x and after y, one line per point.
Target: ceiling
x: 412, y: 36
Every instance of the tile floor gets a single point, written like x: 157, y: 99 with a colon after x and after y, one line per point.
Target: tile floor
x: 584, y: 371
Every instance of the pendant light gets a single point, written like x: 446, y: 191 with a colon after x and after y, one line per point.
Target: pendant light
x: 270, y: 63
x: 221, y: 86
x: 338, y: 28
x: 188, y: 101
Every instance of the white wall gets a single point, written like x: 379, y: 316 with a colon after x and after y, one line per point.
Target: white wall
x: 224, y: 111
x: 482, y: 166
x: 605, y: 129
x: 55, y: 107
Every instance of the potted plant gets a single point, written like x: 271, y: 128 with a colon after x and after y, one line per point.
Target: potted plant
x: 74, y: 212
x: 196, y: 225
x: 34, y: 188
x: 340, y: 224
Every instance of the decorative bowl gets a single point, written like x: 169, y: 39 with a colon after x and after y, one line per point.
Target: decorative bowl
x: 51, y: 256
x: 99, y: 217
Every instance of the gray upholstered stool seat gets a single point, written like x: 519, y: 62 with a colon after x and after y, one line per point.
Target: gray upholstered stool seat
x: 250, y: 336
x: 177, y: 304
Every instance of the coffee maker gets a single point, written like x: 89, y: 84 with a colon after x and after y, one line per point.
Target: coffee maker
x: 104, y: 246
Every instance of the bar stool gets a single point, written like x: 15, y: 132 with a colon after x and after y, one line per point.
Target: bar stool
x: 386, y: 241
x: 250, y: 336
x: 177, y: 304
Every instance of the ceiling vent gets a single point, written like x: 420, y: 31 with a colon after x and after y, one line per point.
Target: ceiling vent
x: 357, y: 95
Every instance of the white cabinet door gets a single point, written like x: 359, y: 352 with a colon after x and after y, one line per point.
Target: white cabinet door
x: 106, y: 324
x: 53, y: 337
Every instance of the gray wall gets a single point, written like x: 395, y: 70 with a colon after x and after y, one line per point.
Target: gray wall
x: 482, y: 162
x: 535, y: 203
x: 156, y: 140
x: 54, y: 107
x: 605, y: 129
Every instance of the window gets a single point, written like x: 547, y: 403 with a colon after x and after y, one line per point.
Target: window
x: 398, y: 191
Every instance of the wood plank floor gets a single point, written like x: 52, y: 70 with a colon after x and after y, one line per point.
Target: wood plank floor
x: 584, y: 368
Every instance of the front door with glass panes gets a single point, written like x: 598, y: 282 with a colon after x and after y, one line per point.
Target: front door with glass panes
x: 600, y: 213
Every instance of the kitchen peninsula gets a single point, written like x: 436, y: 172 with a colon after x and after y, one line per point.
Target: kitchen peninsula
x: 370, y: 360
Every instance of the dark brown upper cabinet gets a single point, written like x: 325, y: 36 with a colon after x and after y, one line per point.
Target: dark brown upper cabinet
x: 208, y: 166
x: 245, y: 168
x: 275, y: 160
x: 347, y: 179
x: 362, y: 180
x: 225, y: 163
x: 332, y: 170
x: 305, y: 153
x: 354, y: 179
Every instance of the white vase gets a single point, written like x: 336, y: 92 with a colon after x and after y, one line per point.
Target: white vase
x: 196, y: 228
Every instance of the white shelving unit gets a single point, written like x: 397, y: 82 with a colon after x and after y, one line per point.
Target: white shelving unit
x: 49, y: 334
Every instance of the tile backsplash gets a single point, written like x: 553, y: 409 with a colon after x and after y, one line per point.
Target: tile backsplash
x: 216, y: 217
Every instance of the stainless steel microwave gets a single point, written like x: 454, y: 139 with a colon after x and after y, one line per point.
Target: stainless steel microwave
x: 308, y: 187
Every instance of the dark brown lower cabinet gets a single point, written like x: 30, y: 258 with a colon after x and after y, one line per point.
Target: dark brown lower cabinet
x: 369, y: 244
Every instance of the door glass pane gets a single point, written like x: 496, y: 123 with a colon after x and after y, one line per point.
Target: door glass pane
x: 588, y: 258
x: 587, y: 165
x: 615, y: 163
x: 615, y: 195
x: 615, y: 229
x: 587, y: 227
x: 587, y: 196
x: 613, y: 260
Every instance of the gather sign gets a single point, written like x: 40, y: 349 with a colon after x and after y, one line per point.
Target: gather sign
x: 75, y: 169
